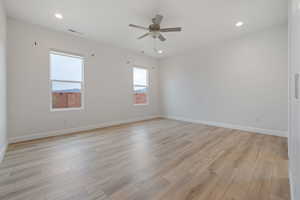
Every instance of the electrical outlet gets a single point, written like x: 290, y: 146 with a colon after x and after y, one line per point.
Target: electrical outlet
x: 257, y: 119
x: 65, y: 123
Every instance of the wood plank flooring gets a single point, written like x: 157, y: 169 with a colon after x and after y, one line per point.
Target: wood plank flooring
x: 151, y: 160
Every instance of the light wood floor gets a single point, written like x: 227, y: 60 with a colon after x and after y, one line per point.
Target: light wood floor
x: 157, y: 160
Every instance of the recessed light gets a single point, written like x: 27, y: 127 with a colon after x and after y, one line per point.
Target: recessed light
x: 59, y: 16
x: 159, y: 51
x: 239, y: 24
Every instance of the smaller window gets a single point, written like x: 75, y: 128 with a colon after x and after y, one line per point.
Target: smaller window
x: 66, y: 81
x: 140, y: 86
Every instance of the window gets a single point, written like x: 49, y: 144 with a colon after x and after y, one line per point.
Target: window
x: 140, y: 86
x: 66, y: 77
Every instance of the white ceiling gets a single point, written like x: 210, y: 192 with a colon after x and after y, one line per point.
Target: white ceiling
x: 106, y: 21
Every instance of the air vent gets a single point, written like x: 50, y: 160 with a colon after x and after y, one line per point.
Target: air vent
x: 75, y: 32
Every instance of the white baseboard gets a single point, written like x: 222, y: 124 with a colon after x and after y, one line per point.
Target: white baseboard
x: 232, y: 126
x: 2, y: 151
x: 292, y: 188
x: 74, y: 130
x: 28, y: 137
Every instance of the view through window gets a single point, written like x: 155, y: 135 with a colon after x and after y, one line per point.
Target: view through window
x: 66, y: 80
x: 140, y: 86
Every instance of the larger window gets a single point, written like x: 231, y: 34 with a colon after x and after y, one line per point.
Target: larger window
x: 140, y: 86
x: 66, y: 77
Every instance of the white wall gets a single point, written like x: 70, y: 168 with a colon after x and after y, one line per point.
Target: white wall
x: 108, y: 83
x: 2, y: 80
x: 238, y: 83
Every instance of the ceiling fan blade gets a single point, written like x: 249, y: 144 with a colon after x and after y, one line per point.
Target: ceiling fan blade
x: 177, y: 29
x: 145, y: 35
x: 139, y: 27
x: 158, y: 19
x: 162, y: 38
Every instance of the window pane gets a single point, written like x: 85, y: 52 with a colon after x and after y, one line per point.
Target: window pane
x: 66, y: 95
x: 140, y: 89
x: 65, y: 87
x: 140, y: 76
x: 66, y: 68
x: 140, y: 95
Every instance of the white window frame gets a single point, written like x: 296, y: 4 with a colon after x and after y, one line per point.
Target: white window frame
x: 147, y: 85
x: 62, y: 53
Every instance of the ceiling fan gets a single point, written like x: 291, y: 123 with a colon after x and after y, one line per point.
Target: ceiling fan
x: 155, y: 30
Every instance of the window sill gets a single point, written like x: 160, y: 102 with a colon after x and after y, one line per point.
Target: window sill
x: 141, y: 104
x: 65, y: 109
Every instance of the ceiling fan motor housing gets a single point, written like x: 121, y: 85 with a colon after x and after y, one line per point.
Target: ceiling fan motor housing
x: 154, y: 27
